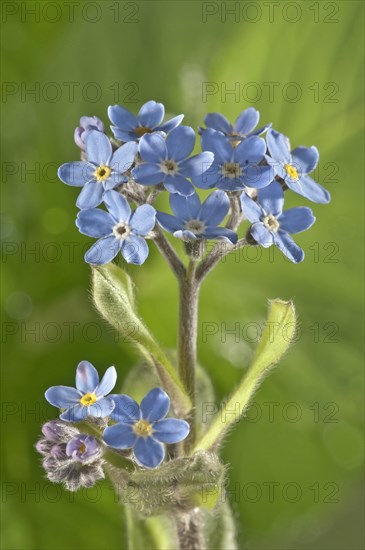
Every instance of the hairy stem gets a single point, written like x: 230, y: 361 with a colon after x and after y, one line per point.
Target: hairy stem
x: 168, y: 252
x: 187, y: 339
x: 219, y: 251
x: 189, y: 531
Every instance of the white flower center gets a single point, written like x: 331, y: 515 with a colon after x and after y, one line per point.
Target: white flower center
x: 169, y: 167
x: 271, y: 223
x: 231, y: 170
x: 121, y: 230
x: 197, y: 227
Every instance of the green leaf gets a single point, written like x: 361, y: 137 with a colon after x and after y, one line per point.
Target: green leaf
x: 278, y: 334
x: 114, y: 298
x: 155, y: 533
x: 220, y: 529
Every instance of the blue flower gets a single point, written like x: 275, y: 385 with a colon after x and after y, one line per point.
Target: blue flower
x: 234, y: 167
x: 88, y: 398
x: 270, y: 225
x: 83, y: 448
x: 243, y: 127
x: 118, y: 230
x: 294, y: 167
x: 167, y: 161
x: 128, y: 127
x: 144, y: 427
x: 102, y: 171
x: 87, y: 124
x: 193, y: 220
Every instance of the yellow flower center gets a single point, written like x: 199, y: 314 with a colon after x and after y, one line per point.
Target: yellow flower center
x: 141, y: 130
x: 271, y: 223
x: 231, y: 170
x: 291, y: 171
x: 142, y: 428
x: 102, y: 172
x: 88, y: 399
x: 82, y: 448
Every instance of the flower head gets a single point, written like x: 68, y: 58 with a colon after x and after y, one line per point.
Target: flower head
x: 83, y: 448
x: 193, y: 220
x: 243, y: 127
x: 103, y: 169
x: 293, y: 167
x: 118, y: 230
x: 144, y: 427
x: 88, y: 398
x: 234, y: 167
x: 166, y: 161
x: 87, y: 124
x: 272, y: 225
x: 128, y: 127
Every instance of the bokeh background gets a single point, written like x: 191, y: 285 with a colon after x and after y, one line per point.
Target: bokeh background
x: 296, y: 461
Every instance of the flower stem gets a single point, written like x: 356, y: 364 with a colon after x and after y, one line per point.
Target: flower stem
x: 187, y: 339
x: 189, y: 531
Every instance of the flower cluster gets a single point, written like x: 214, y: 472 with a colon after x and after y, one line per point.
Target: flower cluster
x: 142, y: 428
x: 147, y: 156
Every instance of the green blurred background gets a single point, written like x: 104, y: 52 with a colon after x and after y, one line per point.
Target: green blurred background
x: 300, y: 64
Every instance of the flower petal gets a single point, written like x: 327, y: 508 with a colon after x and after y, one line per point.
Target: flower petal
x: 103, y: 251
x: 309, y: 189
x: 247, y: 121
x: 305, y: 159
x: 149, y: 452
x: 279, y: 146
x: 152, y: 147
x: 185, y: 208
x: 289, y: 247
x: 94, y: 223
x: 148, y: 174
x: 258, y: 176
x: 170, y: 124
x: 271, y: 199
x: 180, y: 143
x: 250, y: 151
x: 218, y: 122
x: 78, y: 413
x: 134, y: 250
x: 221, y: 233
x: 251, y: 209
x: 143, y: 219
x: 98, y: 148
x: 170, y: 430
x: 155, y: 405
x: 76, y: 173
x: 102, y: 408
x: 118, y: 206
x: 197, y: 165
x: 126, y: 409
x: 151, y: 114
x: 120, y: 436
x: 297, y: 219
x: 179, y: 184
x: 107, y: 382
x: 215, y: 208
x: 87, y: 377
x: 218, y: 144
x: 123, y: 157
x: 122, y: 118
x: 63, y: 396
x: 169, y: 223
x: 261, y: 234
x: 91, y: 195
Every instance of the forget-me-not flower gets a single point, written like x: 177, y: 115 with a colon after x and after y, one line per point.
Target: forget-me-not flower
x: 293, y: 167
x: 87, y: 124
x: 193, y: 220
x: 118, y: 230
x: 234, y: 167
x: 129, y: 127
x: 103, y: 169
x: 144, y: 427
x: 83, y: 448
x: 89, y: 396
x: 166, y: 161
x: 243, y: 127
x: 271, y: 225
